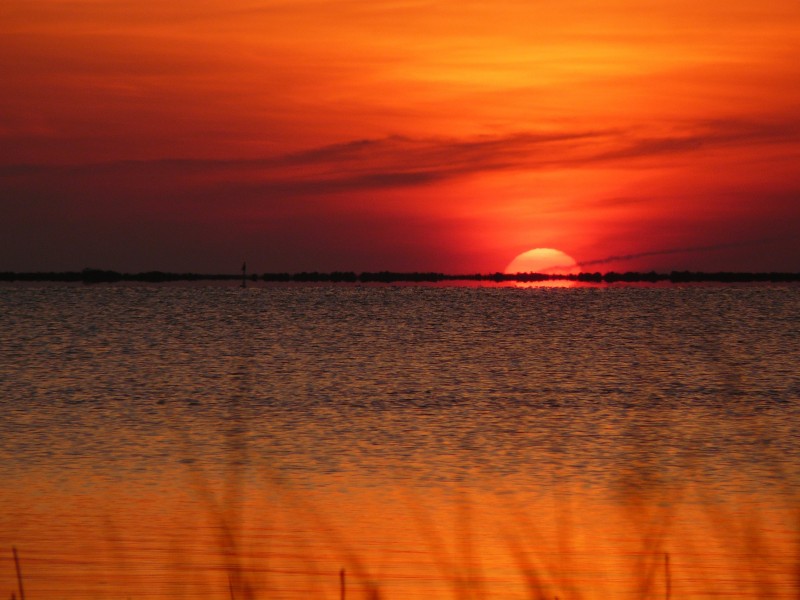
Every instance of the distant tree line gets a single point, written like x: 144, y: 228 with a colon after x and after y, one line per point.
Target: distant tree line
x: 105, y: 276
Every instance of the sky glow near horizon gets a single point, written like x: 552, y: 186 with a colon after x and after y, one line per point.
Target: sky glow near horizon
x: 399, y: 134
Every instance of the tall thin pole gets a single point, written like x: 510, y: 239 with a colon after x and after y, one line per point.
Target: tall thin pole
x: 341, y: 584
x: 19, y: 573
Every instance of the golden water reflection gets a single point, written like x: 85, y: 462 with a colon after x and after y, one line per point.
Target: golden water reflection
x: 255, y: 537
x: 434, y: 444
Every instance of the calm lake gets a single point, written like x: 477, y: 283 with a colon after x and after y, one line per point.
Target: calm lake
x: 399, y: 442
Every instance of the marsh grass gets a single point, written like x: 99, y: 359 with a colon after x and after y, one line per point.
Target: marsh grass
x: 650, y: 549
x: 730, y: 554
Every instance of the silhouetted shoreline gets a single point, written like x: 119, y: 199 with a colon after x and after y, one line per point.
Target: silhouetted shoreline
x: 107, y: 276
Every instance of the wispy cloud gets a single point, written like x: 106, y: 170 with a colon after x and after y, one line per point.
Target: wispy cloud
x: 665, y: 252
x: 400, y: 161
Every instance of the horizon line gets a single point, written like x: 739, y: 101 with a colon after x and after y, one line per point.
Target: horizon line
x: 91, y: 275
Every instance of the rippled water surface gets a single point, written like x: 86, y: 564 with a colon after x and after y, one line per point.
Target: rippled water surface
x: 433, y: 442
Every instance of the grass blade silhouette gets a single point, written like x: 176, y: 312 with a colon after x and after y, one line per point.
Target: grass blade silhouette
x: 19, y: 574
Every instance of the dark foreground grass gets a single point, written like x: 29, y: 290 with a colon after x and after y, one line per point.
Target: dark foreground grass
x: 733, y: 557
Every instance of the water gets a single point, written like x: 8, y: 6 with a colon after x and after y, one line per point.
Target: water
x: 163, y: 442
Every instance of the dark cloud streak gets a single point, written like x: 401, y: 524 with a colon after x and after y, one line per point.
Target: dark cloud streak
x: 650, y: 253
x: 419, y: 161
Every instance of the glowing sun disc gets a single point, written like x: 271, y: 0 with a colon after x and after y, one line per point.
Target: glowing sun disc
x: 547, y: 261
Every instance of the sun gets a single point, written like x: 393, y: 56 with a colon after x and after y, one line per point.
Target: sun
x: 547, y: 261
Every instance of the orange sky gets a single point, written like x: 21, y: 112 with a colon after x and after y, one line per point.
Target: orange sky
x: 442, y: 135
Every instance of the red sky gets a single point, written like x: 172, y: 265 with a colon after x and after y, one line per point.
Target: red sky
x: 444, y: 135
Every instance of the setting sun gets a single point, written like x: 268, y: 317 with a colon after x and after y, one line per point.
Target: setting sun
x: 543, y: 260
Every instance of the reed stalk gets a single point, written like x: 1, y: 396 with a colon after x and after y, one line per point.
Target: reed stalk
x: 19, y: 574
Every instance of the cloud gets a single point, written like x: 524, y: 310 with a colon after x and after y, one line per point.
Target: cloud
x: 708, y: 134
x: 665, y: 252
x: 399, y: 161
